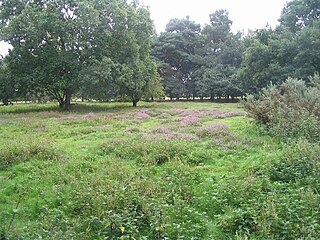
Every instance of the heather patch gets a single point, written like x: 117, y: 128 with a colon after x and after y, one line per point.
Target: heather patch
x: 40, y: 129
x: 102, y: 128
x: 184, y: 112
x: 229, y: 141
x: 88, y: 116
x: 227, y: 114
x: 132, y: 130
x: 70, y: 118
x: 171, y: 136
x: 214, y: 130
x: 160, y: 129
x: 142, y: 115
x: 190, y: 120
x: 3, y: 122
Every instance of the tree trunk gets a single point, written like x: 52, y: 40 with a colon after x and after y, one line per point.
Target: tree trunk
x: 67, y: 103
x: 61, y: 103
x: 5, y: 102
x: 134, y: 102
x: 201, y: 99
x: 211, y: 97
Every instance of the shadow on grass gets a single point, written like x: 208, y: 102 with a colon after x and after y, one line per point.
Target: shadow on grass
x: 75, y: 108
x: 87, y: 107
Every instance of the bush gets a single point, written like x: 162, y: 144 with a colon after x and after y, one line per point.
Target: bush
x: 301, y: 162
x: 291, y: 110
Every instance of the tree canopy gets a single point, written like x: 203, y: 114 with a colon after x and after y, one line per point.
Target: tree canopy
x: 53, y: 41
x: 108, y: 50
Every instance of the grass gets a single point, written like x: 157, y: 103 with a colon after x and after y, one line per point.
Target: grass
x: 160, y: 171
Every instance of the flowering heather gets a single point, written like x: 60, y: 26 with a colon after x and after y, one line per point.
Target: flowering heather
x: 190, y: 120
x: 184, y: 112
x: 214, y: 130
x: 102, y: 128
x: 171, y: 136
x: 131, y: 130
x: 229, y: 142
x: 89, y: 116
x: 160, y: 129
x: 142, y: 115
x: 123, y: 117
x: 228, y: 114
x: 40, y: 129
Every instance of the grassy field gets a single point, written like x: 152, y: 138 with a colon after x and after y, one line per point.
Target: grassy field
x: 159, y: 171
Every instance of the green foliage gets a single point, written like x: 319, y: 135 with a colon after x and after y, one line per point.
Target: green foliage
x: 298, y: 14
x: 290, y: 50
x: 301, y: 163
x: 70, y: 47
x: 290, y: 110
x: 7, y: 84
x: 15, y: 152
x: 198, y: 63
x: 176, y: 51
x: 128, y: 177
x: 154, y: 152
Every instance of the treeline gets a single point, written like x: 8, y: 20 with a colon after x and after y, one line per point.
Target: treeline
x: 105, y: 50
x: 211, y: 61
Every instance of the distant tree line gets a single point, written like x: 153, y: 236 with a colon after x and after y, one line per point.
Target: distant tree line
x: 213, y: 62
x: 108, y: 49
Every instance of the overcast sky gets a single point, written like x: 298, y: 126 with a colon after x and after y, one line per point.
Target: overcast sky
x: 245, y: 14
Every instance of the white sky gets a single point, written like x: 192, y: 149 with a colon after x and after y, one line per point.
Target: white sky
x: 245, y: 14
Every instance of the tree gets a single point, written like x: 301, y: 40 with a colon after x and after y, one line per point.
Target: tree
x: 7, y: 84
x: 53, y: 41
x: 221, y: 57
x: 176, y: 51
x: 49, y: 39
x: 298, y: 14
x: 307, y: 60
x: 128, y: 45
x: 291, y: 50
x: 265, y: 59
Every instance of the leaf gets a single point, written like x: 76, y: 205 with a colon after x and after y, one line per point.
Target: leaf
x: 108, y: 224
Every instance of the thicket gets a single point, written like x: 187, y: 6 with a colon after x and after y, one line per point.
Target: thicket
x: 290, y: 110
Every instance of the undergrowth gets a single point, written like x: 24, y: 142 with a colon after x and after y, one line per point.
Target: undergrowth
x: 123, y: 173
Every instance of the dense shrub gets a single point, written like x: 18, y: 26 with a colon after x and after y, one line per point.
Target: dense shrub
x: 300, y: 163
x: 291, y: 110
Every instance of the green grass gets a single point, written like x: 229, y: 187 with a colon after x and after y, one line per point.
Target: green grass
x: 110, y: 171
